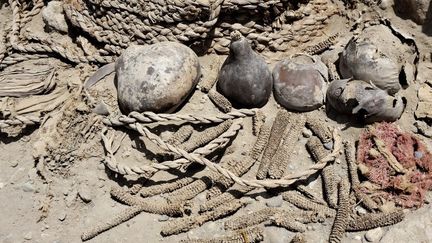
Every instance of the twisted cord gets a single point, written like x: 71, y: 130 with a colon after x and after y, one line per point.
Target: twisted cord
x: 284, y: 182
x: 49, y: 46
x: 111, y: 162
x: 37, y: 7
x: 16, y: 17
x: 94, y: 30
x: 150, y: 117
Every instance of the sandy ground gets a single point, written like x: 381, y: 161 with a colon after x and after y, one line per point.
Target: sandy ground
x: 80, y: 199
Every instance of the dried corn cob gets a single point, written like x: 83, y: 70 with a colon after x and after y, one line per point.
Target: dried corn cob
x: 225, y: 197
x: 362, y: 197
x: 251, y: 235
x: 343, y: 213
x: 261, y: 141
x: 278, y: 127
x: 222, y: 103
x: 166, y: 187
x: 191, y: 190
x: 322, y: 46
x: 181, y: 135
x: 318, y: 127
x: 241, y: 167
x: 352, y: 163
x: 304, y: 203
x: 121, y: 217
x: 207, y: 84
x: 201, y: 138
x: 150, y: 206
x: 238, y: 167
x: 288, y: 223
x: 140, y: 183
x: 315, y: 198
x: 375, y: 220
x: 257, y: 121
x: 189, y: 222
x: 250, y: 219
x: 328, y: 174
x: 365, y: 200
x: 280, y: 160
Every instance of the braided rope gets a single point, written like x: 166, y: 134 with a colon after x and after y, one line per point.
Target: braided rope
x: 284, y: 182
x: 120, y: 23
x: 157, y: 11
x: 16, y: 17
x: 49, y: 46
x: 20, y: 120
x: 37, y: 7
x: 117, y: 24
x: 111, y: 162
x: 86, y: 24
x: 150, y: 117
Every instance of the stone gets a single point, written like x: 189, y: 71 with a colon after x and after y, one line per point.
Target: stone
x: 300, y: 83
x: 54, y: 17
x: 163, y: 218
x: 13, y: 164
x: 201, y: 198
x: 374, y: 235
x: 306, y: 133
x: 101, y: 109
x: 275, y: 202
x: 62, y: 216
x: 418, y: 154
x: 157, y: 77
x: 70, y: 198
x: 101, y: 166
x: 360, y: 210
x: 28, y: 187
x: 328, y: 145
x: 244, y: 79
x: 248, y: 200
x: 85, y: 194
x: 28, y: 236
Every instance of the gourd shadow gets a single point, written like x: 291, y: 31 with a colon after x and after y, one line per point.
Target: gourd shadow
x: 349, y: 120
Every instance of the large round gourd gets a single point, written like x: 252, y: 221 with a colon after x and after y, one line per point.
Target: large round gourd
x: 244, y: 78
x: 157, y: 77
x: 300, y: 82
x: 377, y: 55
